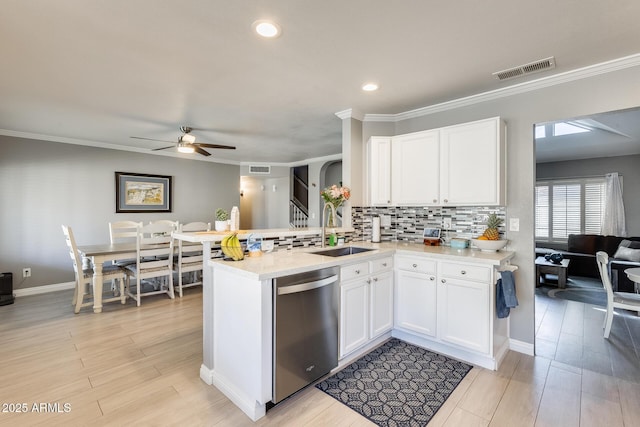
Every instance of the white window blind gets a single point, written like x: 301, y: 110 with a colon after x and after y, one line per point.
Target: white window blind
x: 571, y: 206
x: 594, y: 199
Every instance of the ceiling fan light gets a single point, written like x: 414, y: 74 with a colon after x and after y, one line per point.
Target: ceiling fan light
x: 185, y: 147
x: 188, y: 139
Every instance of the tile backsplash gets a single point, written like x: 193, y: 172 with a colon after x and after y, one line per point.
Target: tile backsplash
x: 406, y: 223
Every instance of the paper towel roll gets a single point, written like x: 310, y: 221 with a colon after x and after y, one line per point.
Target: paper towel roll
x: 375, y: 230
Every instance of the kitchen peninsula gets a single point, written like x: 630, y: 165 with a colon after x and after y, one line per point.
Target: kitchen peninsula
x: 424, y: 291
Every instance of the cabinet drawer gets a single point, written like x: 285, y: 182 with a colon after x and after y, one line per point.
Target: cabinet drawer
x: 354, y: 271
x: 417, y: 264
x: 466, y: 271
x: 381, y: 264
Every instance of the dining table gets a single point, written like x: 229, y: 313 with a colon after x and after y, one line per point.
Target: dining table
x: 105, y: 252
x: 99, y: 254
x: 634, y: 275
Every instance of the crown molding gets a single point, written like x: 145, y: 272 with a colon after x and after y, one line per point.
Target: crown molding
x: 556, y: 79
x: 328, y: 158
x: 350, y: 114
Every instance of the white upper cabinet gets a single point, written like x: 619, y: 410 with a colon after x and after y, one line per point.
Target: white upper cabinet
x: 472, y: 164
x: 379, y: 170
x: 461, y: 165
x: 415, y: 168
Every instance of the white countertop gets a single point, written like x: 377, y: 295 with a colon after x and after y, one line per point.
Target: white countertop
x: 298, y: 260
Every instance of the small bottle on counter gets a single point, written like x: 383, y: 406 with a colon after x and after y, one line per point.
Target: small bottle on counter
x: 235, y: 219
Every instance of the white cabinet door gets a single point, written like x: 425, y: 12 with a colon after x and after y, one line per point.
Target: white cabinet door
x: 381, y: 308
x: 472, y: 164
x: 379, y: 170
x: 463, y: 313
x: 354, y: 315
x: 416, y: 302
x: 415, y: 169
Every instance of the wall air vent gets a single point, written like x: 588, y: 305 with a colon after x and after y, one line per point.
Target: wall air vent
x: 532, y: 67
x: 260, y: 170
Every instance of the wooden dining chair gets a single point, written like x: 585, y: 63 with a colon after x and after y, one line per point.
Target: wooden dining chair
x: 167, y: 222
x: 122, y: 232
x: 154, y: 260
x: 189, y: 260
x: 84, y: 277
x: 622, y: 300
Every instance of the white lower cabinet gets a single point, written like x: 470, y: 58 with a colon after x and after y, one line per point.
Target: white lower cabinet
x: 445, y: 302
x: 354, y: 316
x: 464, y: 310
x: 381, y: 304
x: 366, y: 303
x: 415, y: 297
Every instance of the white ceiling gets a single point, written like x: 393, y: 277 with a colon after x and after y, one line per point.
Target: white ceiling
x: 615, y: 133
x: 99, y: 72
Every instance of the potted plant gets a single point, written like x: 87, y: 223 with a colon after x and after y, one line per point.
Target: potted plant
x: 222, y: 220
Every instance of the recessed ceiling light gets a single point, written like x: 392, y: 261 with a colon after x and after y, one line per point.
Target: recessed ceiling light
x: 370, y: 87
x: 267, y: 29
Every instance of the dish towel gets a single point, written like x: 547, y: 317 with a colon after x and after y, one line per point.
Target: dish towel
x: 505, y: 294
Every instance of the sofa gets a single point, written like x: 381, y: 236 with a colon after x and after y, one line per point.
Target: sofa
x: 581, y: 250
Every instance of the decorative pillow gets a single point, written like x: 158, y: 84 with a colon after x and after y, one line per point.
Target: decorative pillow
x: 630, y: 244
x: 627, y: 254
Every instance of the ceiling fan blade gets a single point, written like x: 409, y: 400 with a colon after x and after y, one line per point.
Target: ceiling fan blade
x: 163, y: 148
x: 151, y: 139
x: 224, y: 147
x: 201, y: 151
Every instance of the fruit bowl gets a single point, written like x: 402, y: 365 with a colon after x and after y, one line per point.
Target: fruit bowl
x: 489, y: 245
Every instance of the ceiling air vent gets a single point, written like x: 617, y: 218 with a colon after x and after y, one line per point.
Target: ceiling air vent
x: 532, y: 67
x: 261, y: 170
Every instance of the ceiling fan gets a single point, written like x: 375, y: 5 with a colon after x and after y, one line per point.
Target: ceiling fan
x: 187, y: 143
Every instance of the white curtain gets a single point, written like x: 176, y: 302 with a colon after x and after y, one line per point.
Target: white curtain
x: 614, y: 222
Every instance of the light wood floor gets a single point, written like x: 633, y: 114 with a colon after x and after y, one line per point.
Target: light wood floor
x: 140, y: 366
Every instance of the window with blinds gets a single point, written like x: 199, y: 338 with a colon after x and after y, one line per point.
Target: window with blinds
x: 569, y: 206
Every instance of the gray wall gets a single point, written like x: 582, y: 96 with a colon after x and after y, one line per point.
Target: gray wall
x: 46, y: 184
x: 627, y: 166
x: 605, y: 92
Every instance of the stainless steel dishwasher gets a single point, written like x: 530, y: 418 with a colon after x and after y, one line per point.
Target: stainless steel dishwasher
x: 305, y: 330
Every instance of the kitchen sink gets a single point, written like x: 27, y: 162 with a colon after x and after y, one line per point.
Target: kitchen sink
x: 336, y: 252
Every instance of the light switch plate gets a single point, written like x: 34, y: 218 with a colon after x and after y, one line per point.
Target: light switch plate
x: 514, y: 224
x: 385, y: 220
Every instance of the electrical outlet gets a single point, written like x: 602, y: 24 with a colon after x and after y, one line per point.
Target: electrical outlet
x: 446, y: 223
x: 26, y: 272
x: 514, y: 224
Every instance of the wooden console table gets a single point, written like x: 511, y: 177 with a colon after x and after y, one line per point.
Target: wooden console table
x: 544, y: 267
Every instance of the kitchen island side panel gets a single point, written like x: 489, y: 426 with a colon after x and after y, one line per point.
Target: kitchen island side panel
x: 242, y: 340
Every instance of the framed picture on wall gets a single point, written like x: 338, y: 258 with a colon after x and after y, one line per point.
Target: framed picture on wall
x: 138, y: 192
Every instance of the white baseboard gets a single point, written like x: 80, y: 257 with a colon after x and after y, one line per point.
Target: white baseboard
x: 252, y: 408
x: 521, y: 347
x: 43, y: 289
x: 206, y: 374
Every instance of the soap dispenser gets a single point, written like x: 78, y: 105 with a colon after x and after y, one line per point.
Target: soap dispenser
x: 333, y: 238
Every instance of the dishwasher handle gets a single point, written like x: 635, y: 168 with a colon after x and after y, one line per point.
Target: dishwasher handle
x: 307, y: 286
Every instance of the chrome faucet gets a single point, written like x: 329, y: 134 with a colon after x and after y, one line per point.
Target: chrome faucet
x: 324, y: 209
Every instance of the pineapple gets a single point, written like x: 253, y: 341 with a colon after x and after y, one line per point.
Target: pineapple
x: 493, y: 222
